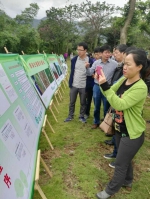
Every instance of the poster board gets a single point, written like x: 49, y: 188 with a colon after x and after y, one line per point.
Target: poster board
x: 55, y: 67
x: 64, y: 64
x: 21, y: 118
x: 41, y: 76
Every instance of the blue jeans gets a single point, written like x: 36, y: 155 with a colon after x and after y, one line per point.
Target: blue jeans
x: 98, y: 97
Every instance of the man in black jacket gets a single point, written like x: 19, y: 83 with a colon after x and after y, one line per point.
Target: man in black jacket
x: 77, y: 81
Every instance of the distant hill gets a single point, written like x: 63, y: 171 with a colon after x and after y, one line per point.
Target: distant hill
x: 36, y: 22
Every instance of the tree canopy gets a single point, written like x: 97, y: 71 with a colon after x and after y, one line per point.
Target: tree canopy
x: 95, y: 23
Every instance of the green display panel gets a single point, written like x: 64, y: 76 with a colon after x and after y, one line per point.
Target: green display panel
x: 21, y: 118
x: 54, y: 66
x: 41, y: 76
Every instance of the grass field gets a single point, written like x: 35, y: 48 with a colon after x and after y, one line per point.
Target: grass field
x: 77, y: 163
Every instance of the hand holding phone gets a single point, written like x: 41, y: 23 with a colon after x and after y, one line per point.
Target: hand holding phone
x: 98, y: 70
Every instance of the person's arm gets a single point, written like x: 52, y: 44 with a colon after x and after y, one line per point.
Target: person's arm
x: 131, y: 97
x: 90, y: 71
x: 71, y: 73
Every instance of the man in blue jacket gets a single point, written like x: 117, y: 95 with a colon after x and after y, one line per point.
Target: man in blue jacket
x: 77, y: 81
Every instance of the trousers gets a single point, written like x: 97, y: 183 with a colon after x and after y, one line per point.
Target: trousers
x: 123, y: 174
x: 73, y: 97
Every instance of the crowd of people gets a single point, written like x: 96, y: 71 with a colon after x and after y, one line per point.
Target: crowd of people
x: 120, y: 84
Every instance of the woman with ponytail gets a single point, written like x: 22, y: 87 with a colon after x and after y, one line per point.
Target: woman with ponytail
x: 127, y: 97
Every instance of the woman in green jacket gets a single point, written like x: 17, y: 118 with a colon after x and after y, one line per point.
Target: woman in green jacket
x: 127, y: 98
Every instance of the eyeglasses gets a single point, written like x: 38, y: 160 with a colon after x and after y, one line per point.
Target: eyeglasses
x: 79, y: 50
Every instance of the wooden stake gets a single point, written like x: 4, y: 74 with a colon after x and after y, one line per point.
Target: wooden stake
x: 55, y: 108
x: 56, y: 98
x: 37, y: 174
x: 6, y: 50
x: 46, y: 167
x: 50, y: 126
x: 50, y: 108
x: 48, y: 140
x: 44, y: 132
x: 64, y: 84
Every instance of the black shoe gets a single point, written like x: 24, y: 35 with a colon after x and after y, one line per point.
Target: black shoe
x: 128, y: 187
x: 109, y: 156
x: 112, y: 165
x: 68, y: 119
x: 109, y: 142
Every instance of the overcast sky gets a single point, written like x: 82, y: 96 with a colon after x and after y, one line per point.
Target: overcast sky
x: 14, y: 7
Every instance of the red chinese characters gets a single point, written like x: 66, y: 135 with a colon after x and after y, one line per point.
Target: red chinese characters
x: 7, y: 180
x: 1, y: 169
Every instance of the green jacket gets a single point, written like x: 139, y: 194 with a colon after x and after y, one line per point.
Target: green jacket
x: 131, y: 103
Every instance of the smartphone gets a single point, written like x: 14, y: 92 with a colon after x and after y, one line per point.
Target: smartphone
x: 98, y: 69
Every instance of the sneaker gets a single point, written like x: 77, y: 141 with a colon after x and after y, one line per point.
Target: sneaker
x: 103, y: 195
x: 112, y: 165
x: 82, y: 119
x: 109, y: 156
x: 68, y: 119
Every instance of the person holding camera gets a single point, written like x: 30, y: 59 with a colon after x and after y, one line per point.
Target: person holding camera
x: 127, y: 97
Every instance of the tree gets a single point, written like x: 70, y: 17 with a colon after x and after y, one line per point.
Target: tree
x: 95, y: 17
x: 59, y: 30
x: 8, y: 35
x: 28, y: 14
x: 124, y: 29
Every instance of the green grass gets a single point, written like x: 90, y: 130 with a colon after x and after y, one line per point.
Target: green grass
x: 77, y: 163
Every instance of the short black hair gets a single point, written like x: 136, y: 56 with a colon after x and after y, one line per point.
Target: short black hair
x: 97, y: 49
x: 105, y: 47
x: 129, y: 49
x: 121, y: 48
x: 85, y: 46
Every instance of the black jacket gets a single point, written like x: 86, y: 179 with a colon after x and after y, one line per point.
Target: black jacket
x: 117, y: 74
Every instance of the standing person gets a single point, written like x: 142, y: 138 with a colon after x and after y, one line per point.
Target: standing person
x: 121, y: 51
x: 119, y: 57
x: 65, y: 56
x: 71, y: 55
x: 77, y: 81
x: 90, y: 83
x: 127, y: 97
x: 109, y: 67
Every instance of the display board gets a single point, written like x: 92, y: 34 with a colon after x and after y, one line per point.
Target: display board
x: 65, y: 67
x: 21, y: 118
x: 62, y: 65
x: 41, y: 76
x: 55, y: 67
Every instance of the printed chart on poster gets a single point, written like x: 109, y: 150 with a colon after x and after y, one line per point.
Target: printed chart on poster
x: 21, y: 118
x: 55, y: 67
x: 41, y: 76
